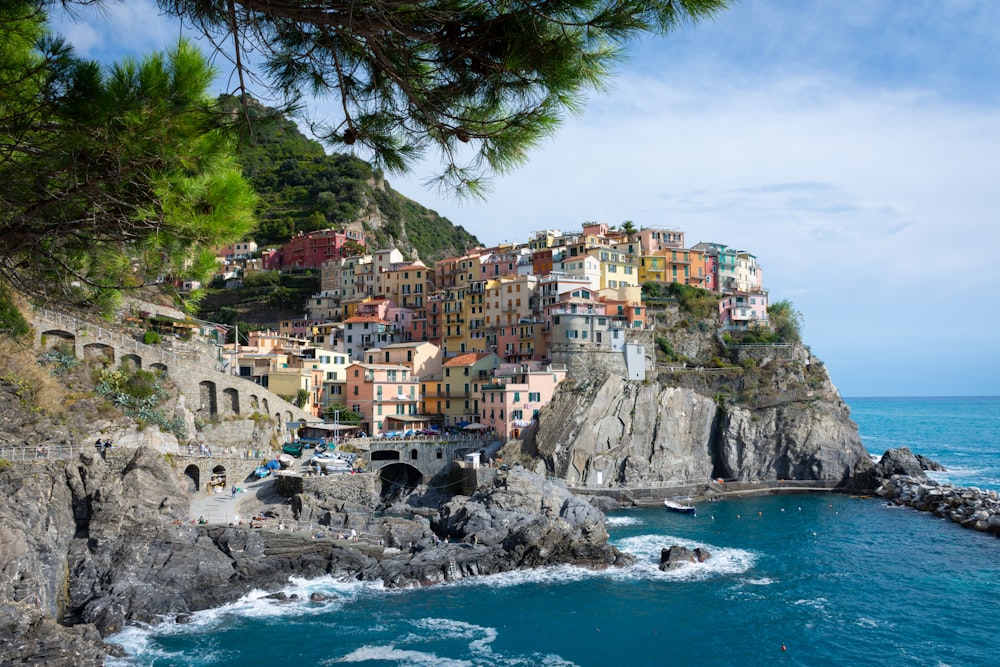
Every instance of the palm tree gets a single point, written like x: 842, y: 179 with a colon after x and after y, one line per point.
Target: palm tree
x: 628, y: 228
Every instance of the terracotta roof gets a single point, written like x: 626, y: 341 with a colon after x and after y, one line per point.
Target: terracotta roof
x: 366, y: 318
x: 466, y: 359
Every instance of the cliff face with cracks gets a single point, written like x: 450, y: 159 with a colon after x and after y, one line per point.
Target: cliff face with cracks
x: 776, y: 418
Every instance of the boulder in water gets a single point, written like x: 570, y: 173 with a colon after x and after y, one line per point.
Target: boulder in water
x: 900, y: 461
x: 676, y: 556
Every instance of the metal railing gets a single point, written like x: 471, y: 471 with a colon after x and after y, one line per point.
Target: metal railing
x: 42, y: 452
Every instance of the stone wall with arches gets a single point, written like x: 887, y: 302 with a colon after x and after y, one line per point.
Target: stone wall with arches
x: 210, y: 394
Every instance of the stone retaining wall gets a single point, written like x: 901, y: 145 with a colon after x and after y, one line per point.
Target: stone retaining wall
x: 361, y: 489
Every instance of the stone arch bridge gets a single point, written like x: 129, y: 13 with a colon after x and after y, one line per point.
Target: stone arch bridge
x: 421, y: 459
x: 194, y: 368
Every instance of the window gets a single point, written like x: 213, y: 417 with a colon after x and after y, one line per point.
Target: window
x: 534, y: 396
x: 355, y: 390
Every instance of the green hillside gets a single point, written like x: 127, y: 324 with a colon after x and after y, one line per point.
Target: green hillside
x: 303, y: 189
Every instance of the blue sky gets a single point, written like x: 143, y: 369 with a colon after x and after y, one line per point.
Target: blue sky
x: 853, y: 147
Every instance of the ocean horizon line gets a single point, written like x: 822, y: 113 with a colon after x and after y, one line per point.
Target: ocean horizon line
x: 922, y: 397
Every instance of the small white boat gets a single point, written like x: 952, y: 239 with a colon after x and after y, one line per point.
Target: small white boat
x: 682, y: 508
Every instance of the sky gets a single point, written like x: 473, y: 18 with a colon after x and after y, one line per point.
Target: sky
x: 854, y: 148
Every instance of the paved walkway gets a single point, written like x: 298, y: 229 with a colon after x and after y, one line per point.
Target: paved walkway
x: 223, y: 507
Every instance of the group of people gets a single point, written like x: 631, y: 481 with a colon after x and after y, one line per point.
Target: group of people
x: 103, y: 444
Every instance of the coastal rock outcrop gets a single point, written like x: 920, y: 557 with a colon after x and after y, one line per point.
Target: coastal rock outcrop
x: 970, y: 507
x: 676, y: 556
x: 899, y: 461
x: 97, y: 548
x: 608, y: 432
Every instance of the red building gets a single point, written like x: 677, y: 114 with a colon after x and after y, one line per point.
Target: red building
x: 309, y: 251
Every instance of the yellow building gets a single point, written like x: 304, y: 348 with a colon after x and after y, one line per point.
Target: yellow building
x: 453, y: 395
x: 618, y: 269
x: 652, y: 268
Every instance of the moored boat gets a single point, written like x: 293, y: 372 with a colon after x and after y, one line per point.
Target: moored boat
x: 682, y: 508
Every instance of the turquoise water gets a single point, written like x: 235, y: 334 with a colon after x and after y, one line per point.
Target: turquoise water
x: 834, y: 580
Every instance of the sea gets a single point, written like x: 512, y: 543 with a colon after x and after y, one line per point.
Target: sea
x: 808, y: 579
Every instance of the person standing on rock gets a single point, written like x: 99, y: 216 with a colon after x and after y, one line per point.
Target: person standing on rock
x: 234, y: 492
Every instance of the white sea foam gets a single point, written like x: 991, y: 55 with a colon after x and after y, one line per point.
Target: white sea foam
x: 818, y: 603
x: 646, y: 548
x: 402, y: 657
x: 555, y: 574
x: 617, y: 521
x: 762, y: 581
x: 432, y: 630
x: 137, y: 640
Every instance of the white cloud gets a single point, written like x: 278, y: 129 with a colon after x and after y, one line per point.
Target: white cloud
x: 113, y: 29
x: 873, y: 210
x: 854, y: 152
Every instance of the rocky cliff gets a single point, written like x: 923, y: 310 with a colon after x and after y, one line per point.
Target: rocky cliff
x: 86, y: 547
x: 774, y: 417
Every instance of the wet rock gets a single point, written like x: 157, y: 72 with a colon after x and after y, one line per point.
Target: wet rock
x: 900, y: 461
x: 677, y: 556
x: 928, y: 464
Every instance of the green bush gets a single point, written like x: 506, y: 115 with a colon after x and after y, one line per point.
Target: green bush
x: 12, y: 322
x: 151, y: 338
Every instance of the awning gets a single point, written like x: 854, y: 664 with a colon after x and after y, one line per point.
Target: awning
x: 331, y: 427
x: 476, y: 427
x: 407, y: 418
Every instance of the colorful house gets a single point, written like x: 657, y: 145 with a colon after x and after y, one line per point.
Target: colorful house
x: 743, y: 310
x: 511, y: 401
x: 310, y: 250
x: 454, y: 394
x: 386, y: 396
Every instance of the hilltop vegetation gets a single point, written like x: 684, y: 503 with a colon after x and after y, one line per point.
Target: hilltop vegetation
x: 303, y: 189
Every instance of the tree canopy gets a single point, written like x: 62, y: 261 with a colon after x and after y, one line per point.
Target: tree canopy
x: 479, y: 82
x: 109, y: 177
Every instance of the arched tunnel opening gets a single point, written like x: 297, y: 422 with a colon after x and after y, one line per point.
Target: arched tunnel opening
x: 399, y: 479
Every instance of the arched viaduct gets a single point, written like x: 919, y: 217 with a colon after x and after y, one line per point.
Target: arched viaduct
x: 428, y: 457
x: 192, y: 367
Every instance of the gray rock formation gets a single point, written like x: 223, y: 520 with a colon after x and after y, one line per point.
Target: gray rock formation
x: 969, y: 507
x: 929, y: 464
x: 96, y: 548
x: 609, y: 432
x: 900, y: 461
x: 675, y: 556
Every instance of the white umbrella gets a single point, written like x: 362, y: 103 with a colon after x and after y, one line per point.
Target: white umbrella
x: 476, y: 427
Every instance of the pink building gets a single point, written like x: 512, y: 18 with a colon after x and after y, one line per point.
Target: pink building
x: 742, y: 310
x: 511, y: 402
x: 312, y: 249
x: 385, y: 395
x: 652, y: 240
